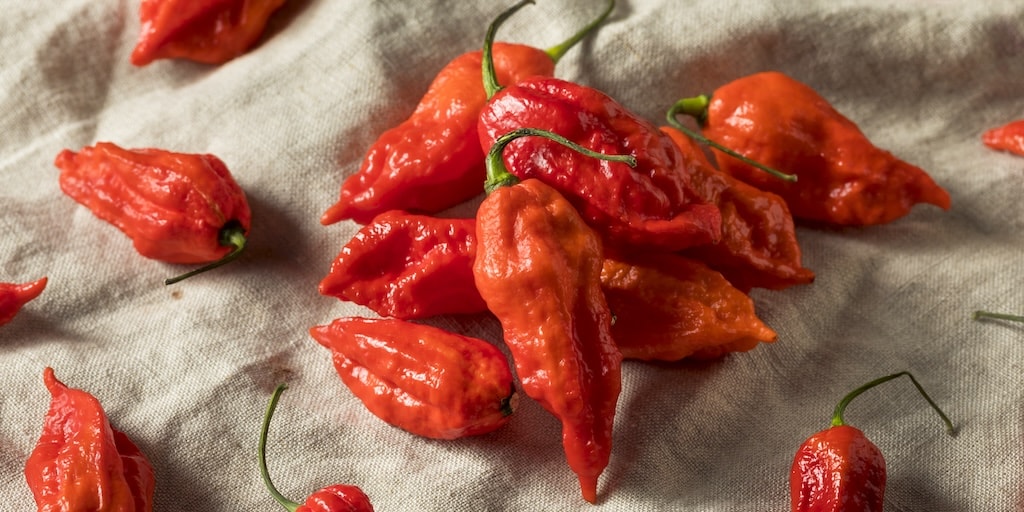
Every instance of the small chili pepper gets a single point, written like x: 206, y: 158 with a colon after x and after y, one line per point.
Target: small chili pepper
x: 982, y: 315
x: 433, y: 160
x: 175, y: 207
x: 538, y: 267
x: 333, y: 498
x: 844, y: 179
x: 14, y: 296
x: 759, y: 247
x: 422, y: 379
x: 408, y: 266
x: 206, y: 31
x: 839, y: 469
x: 668, y: 307
x: 1009, y: 137
x: 83, y: 464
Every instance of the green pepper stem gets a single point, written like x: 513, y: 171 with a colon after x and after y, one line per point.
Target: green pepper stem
x: 288, y: 504
x: 491, y: 85
x: 978, y: 315
x: 556, y: 52
x: 231, y: 235
x: 498, y: 175
x: 697, y: 107
x: 837, y: 415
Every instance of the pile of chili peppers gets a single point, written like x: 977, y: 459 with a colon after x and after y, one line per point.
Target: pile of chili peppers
x: 599, y: 236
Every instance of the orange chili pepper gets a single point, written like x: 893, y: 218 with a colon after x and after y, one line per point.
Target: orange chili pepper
x: 433, y: 160
x: 668, y: 307
x: 538, y: 267
x: 14, y: 296
x: 175, y: 207
x: 81, y: 463
x: 206, y: 31
x: 1009, y: 137
x: 422, y: 379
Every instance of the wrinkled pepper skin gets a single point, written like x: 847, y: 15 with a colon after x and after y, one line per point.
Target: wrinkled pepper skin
x: 538, y: 267
x: 408, y: 266
x: 175, y: 207
x: 759, y: 247
x: 668, y: 307
x: 433, y: 160
x: 420, y: 378
x: 651, y: 205
x: 843, y: 179
x: 1008, y: 137
x: 81, y: 463
x: 206, y: 31
x: 838, y: 470
x: 14, y: 296
x: 337, y: 498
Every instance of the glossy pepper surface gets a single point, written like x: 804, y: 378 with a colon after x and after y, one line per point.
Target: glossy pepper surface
x: 668, y: 307
x: 14, y: 296
x: 175, y: 207
x: 206, y: 31
x: 81, y: 463
x: 422, y: 379
x: 843, y: 178
x: 333, y: 498
x: 759, y: 247
x: 839, y: 469
x: 408, y: 266
x: 433, y: 160
x: 1008, y: 137
x: 538, y: 267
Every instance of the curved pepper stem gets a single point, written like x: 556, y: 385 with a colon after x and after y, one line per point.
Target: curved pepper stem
x: 288, y: 504
x: 491, y: 85
x: 980, y: 315
x: 697, y: 107
x: 231, y: 235
x: 837, y: 416
x: 556, y: 52
x: 498, y: 175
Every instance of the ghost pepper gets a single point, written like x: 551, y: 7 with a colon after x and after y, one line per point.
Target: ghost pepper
x: 81, y: 463
x: 433, y: 160
x: 175, y: 207
x: 14, y: 296
x: 843, y: 178
x: 1008, y: 137
x: 206, y: 31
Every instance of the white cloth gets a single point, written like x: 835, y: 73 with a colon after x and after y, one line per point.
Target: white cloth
x: 186, y: 371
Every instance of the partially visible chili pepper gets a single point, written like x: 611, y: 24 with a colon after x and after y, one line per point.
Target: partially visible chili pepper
x: 844, y: 179
x: 839, y: 469
x: 81, y: 463
x: 206, y: 31
x: 979, y: 315
x: 175, y: 207
x: 14, y: 296
x: 422, y: 379
x: 408, y: 266
x: 1008, y: 137
x: 333, y: 498
x: 668, y: 307
x: 538, y: 267
x: 433, y: 160
x: 759, y: 248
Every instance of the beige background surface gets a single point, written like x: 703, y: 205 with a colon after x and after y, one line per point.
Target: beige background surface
x: 187, y: 370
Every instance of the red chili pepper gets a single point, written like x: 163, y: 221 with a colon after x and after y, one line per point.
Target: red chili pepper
x: 422, y: 379
x: 759, y: 248
x: 176, y: 207
x: 538, y: 267
x: 1009, y: 137
x: 433, y: 160
x: 781, y: 123
x: 408, y: 266
x: 83, y: 464
x: 668, y: 307
x: 839, y: 469
x: 206, y: 31
x: 14, y: 296
x: 333, y: 498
